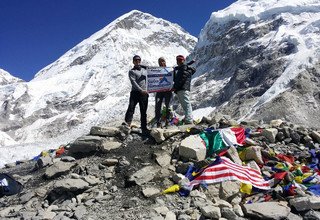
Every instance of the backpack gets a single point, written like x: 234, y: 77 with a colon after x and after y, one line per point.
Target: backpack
x: 8, y: 185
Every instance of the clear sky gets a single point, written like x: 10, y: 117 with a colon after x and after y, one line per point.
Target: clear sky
x: 35, y: 33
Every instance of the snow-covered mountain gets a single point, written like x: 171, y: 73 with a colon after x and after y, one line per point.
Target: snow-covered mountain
x: 89, y: 84
x: 259, y: 59
x: 7, y: 78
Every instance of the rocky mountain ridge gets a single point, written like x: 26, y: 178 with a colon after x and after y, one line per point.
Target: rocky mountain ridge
x: 117, y: 173
x: 260, y: 60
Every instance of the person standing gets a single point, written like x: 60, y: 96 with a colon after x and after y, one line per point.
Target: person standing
x: 138, y: 94
x: 181, y: 86
x: 166, y: 95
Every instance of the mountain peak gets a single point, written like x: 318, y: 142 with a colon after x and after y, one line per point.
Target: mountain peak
x: 7, y: 78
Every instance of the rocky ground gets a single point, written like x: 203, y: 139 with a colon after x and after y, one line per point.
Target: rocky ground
x: 118, y: 173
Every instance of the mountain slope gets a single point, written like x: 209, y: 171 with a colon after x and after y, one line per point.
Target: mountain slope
x: 7, y: 78
x: 89, y: 85
x: 259, y: 60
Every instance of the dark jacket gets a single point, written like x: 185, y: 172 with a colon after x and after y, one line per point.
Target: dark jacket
x: 182, y: 77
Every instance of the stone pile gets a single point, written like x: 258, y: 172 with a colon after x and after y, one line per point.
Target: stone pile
x: 118, y: 173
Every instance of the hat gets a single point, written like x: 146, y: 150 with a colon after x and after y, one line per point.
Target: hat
x: 161, y: 59
x: 136, y: 57
x: 180, y: 57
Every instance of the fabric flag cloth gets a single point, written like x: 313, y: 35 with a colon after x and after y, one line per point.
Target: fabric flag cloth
x: 217, y: 140
x: 223, y: 169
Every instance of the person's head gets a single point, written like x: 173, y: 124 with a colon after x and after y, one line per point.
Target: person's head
x: 162, y: 62
x: 136, y: 60
x: 180, y: 60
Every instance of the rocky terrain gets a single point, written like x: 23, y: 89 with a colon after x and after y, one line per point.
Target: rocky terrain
x: 118, y: 173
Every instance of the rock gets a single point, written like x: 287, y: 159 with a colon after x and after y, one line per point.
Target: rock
x: 44, y: 162
x: 87, y: 144
x: 110, y: 162
x: 266, y: 210
x: 144, y: 175
x: 270, y: 134
x: 157, y: 134
x: 250, y: 142
x: 80, y: 211
x: 163, y: 159
x: 163, y: 210
x: 170, y: 216
x: 105, y: 131
x: 68, y: 159
x: 167, y: 133
x: 316, y: 136
x: 276, y: 123
x: 229, y: 189
x: 27, y: 196
x: 58, y: 169
x: 234, y: 156
x: 110, y: 145
x: 150, y: 191
x: 193, y: 147
x: 292, y: 216
x: 70, y: 185
x: 312, y: 215
x: 92, y: 180
x: 211, y: 212
x: 252, y: 153
x: 295, y: 137
x: 228, y: 213
x: 305, y: 203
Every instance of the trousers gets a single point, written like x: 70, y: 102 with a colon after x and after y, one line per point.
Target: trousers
x: 159, y: 98
x: 135, y: 98
x: 184, y: 99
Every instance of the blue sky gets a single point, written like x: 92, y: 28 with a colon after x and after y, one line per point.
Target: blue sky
x: 35, y: 33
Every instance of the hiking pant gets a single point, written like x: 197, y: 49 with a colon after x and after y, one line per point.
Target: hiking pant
x: 137, y: 97
x: 184, y: 99
x: 159, y: 98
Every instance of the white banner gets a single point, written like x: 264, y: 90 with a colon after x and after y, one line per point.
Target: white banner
x: 159, y: 79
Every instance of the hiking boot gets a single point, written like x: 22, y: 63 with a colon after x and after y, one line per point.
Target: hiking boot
x: 146, y: 131
x: 126, y: 124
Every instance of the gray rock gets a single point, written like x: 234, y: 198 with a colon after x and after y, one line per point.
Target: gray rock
x: 211, y: 212
x: 68, y: 159
x: 157, y: 134
x: 44, y: 162
x: 70, y: 185
x: 144, y: 175
x: 87, y: 144
x: 193, y: 147
x: 58, y: 169
x: 316, y: 136
x: 110, y: 162
x: 233, y: 154
x: 27, y: 196
x: 163, y: 159
x: 109, y: 145
x: 150, y: 191
x: 170, y: 216
x: 312, y: 215
x: 266, y: 210
x: 105, y: 131
x: 228, y: 213
x: 80, y: 211
x: 270, y: 134
x: 292, y: 216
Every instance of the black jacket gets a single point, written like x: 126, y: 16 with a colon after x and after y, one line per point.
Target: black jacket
x: 182, y: 77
